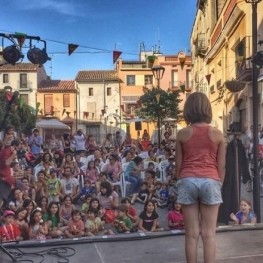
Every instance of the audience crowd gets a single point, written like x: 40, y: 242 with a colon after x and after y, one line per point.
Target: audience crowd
x: 70, y: 186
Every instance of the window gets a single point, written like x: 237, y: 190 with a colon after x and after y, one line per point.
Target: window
x: 48, y: 103
x: 130, y: 108
x: 91, y: 92
x: 5, y: 78
x: 108, y: 91
x: 23, y: 81
x: 130, y: 80
x: 148, y: 79
x: 66, y: 100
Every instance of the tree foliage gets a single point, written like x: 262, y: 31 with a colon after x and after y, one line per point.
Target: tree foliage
x: 20, y: 115
x: 168, y: 106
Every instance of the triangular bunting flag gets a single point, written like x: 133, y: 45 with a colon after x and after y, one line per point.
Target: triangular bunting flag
x: 208, y: 77
x: 116, y: 55
x: 72, y: 48
x: 63, y: 112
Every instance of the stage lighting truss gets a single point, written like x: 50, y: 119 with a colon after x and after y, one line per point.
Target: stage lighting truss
x: 13, y: 54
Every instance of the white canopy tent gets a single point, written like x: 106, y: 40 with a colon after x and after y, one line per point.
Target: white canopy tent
x: 51, y: 124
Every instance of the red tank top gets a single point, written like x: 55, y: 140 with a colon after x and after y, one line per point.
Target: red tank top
x: 199, y: 155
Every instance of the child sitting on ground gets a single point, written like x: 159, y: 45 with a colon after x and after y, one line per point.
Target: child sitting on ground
x: 94, y: 225
x: 75, y: 225
x: 175, y: 217
x: 148, y: 219
x: 122, y: 223
x: 9, y: 231
x: 142, y: 195
x: 245, y: 215
x: 132, y: 212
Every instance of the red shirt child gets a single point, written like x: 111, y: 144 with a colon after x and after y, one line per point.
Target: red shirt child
x: 9, y: 231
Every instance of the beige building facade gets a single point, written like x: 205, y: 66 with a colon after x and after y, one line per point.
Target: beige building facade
x: 24, y: 78
x: 134, y: 75
x: 221, y: 42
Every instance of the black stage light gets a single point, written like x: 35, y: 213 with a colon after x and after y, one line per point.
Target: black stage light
x: 12, y: 54
x: 37, y: 56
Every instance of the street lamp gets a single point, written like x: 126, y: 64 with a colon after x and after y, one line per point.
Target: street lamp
x: 256, y: 180
x: 158, y: 72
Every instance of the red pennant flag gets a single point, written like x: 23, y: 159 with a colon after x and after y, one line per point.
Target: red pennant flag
x: 116, y: 55
x: 208, y: 77
x: 72, y: 48
x: 21, y: 41
x: 21, y: 37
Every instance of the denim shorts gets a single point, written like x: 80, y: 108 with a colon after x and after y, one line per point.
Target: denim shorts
x: 199, y: 190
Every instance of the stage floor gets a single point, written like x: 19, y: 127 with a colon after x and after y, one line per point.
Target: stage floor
x: 234, y: 245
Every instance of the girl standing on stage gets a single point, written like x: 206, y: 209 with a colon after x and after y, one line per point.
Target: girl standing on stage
x: 200, y: 169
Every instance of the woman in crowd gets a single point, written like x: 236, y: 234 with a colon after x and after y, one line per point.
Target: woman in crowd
x: 133, y: 174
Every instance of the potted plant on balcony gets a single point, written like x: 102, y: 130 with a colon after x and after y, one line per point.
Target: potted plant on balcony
x: 151, y: 60
x: 235, y: 85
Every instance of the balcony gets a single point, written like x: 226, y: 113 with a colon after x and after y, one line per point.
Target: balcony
x: 202, y: 87
x: 175, y: 85
x: 200, y: 45
x: 243, y: 60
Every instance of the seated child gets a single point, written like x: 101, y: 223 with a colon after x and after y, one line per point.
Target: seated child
x: 9, y: 231
x: 245, y: 215
x: 93, y: 225
x: 132, y: 212
x: 87, y: 189
x: 148, y: 218
x: 175, y: 217
x: 75, y: 226
x: 86, y: 205
x: 37, y: 228
x: 161, y: 194
x: 142, y: 195
x: 173, y: 192
x: 122, y: 224
x: 151, y: 181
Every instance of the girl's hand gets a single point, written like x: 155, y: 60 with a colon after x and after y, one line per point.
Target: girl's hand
x: 233, y: 217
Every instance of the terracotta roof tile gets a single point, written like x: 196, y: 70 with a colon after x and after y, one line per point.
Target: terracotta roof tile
x: 57, y: 86
x: 97, y: 75
x: 19, y: 67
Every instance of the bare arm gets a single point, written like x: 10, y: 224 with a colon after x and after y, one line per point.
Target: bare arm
x: 221, y: 154
x: 179, y: 154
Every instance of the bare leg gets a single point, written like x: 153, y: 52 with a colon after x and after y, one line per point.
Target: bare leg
x: 208, y: 231
x: 191, y: 221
